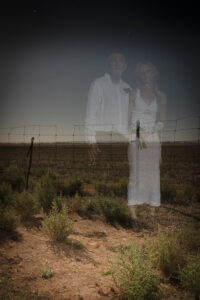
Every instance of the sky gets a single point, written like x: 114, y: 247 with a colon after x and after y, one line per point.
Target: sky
x: 52, y: 50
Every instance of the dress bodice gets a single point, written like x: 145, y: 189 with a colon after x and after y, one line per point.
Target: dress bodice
x: 144, y: 113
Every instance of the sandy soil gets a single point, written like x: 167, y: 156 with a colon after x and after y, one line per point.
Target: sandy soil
x: 78, y: 273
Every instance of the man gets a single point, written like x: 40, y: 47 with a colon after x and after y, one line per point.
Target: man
x: 108, y: 101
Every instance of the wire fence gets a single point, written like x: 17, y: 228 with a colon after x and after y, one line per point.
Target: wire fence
x: 66, y: 148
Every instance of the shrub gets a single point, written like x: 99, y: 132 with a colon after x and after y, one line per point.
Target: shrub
x: 47, y: 273
x: 190, y: 276
x: 115, y: 211
x: 134, y: 276
x: 168, y: 254
x: 78, y: 245
x: 188, y: 192
x: 6, y: 195
x: 168, y: 191
x: 8, y: 219
x: 191, y: 237
x: 84, y: 206
x: 15, y: 177
x: 25, y: 205
x: 70, y: 188
x: 112, y: 189
x: 46, y: 191
x: 58, y: 225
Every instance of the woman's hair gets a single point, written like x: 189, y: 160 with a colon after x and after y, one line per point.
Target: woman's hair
x: 148, y: 63
x: 138, y: 70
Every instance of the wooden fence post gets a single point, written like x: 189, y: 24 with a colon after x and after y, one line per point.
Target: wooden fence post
x: 29, y: 154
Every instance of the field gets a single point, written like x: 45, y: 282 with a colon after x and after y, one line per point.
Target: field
x: 39, y: 263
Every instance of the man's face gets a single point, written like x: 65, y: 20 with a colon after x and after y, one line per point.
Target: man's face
x: 117, y: 64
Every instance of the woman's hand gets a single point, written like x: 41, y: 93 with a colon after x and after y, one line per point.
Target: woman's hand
x: 142, y: 143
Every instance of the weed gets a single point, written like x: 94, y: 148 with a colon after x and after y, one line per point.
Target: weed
x: 190, y: 276
x: 188, y: 192
x: 191, y: 237
x: 70, y: 188
x: 8, y: 219
x: 115, y: 211
x: 84, y: 206
x: 168, y: 254
x: 15, y: 177
x: 46, y: 191
x: 25, y: 205
x: 47, y: 273
x: 168, y: 191
x: 6, y: 194
x: 78, y: 245
x: 58, y: 225
x: 108, y: 272
x: 134, y: 276
x: 118, y: 189
x: 9, y: 291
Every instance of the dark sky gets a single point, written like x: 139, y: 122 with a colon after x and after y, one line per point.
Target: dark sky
x: 52, y: 50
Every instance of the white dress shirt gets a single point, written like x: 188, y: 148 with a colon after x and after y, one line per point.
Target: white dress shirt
x: 107, y: 107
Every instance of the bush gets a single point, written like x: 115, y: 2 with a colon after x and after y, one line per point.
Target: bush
x: 84, y: 206
x: 188, y: 192
x: 190, y: 276
x: 15, y: 177
x: 115, y: 211
x: 6, y: 194
x: 134, y: 276
x: 46, y: 191
x: 8, y: 219
x: 168, y: 254
x: 47, y: 273
x: 112, y: 189
x: 191, y: 237
x: 58, y: 225
x: 168, y: 191
x: 70, y: 188
x: 25, y: 205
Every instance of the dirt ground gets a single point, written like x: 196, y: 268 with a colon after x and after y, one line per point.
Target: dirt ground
x: 78, y: 273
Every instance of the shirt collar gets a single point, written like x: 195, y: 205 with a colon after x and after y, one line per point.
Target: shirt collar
x: 107, y: 76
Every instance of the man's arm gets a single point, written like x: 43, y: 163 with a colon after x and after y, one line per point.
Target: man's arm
x: 91, y: 119
x: 91, y: 112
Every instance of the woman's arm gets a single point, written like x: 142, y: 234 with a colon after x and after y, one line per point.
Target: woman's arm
x: 131, y: 106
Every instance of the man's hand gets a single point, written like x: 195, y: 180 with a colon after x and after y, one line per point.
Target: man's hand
x: 93, y: 152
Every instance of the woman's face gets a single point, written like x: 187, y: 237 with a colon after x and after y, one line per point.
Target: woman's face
x: 146, y: 74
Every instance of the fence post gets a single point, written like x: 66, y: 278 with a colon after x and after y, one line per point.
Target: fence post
x: 73, y: 148
x: 39, y: 143
x: 199, y: 132
x: 29, y: 154
x: 175, y: 130
x: 56, y: 134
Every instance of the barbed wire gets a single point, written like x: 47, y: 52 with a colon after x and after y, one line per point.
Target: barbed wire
x: 67, y: 148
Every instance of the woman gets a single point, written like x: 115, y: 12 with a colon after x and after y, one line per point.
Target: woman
x: 147, y: 108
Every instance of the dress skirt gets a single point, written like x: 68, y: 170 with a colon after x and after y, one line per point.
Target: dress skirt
x: 144, y: 177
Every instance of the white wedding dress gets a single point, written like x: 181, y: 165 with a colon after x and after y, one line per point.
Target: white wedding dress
x: 144, y: 163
